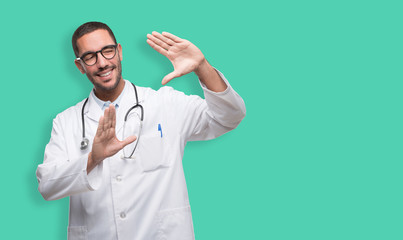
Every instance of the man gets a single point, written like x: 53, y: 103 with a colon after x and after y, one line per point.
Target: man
x: 132, y: 188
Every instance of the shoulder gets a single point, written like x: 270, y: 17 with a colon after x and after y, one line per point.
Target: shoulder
x: 147, y: 92
x: 177, y: 99
x: 168, y: 92
x: 67, y: 114
x: 164, y: 93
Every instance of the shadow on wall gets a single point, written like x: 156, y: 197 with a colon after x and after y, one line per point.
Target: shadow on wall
x: 80, y: 80
x: 62, y: 205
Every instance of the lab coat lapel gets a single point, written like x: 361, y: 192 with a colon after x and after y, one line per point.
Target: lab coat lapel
x: 93, y: 111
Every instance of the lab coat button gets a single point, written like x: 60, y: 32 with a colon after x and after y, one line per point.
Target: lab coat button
x: 118, y: 178
x: 122, y: 215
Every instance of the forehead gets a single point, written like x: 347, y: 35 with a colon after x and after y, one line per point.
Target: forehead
x: 94, y: 41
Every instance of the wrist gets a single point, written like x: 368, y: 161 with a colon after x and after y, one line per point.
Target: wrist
x: 203, y: 68
x: 89, y: 163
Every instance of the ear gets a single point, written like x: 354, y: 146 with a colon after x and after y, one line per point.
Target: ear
x: 80, y: 66
x: 120, y: 51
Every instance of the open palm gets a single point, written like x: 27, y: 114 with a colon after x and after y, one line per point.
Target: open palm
x: 106, y: 143
x: 184, y: 56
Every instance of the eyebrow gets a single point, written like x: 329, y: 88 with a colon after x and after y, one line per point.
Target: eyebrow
x: 109, y: 45
x: 86, y: 53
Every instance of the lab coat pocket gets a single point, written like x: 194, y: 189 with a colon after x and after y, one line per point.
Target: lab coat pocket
x: 77, y: 233
x: 175, y: 224
x: 151, y: 153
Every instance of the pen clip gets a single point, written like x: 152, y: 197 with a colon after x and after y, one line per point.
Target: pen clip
x: 160, y: 129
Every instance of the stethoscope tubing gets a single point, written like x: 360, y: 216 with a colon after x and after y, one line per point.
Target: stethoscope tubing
x: 85, y: 141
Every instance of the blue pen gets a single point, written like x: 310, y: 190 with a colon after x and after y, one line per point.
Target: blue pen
x: 160, y: 129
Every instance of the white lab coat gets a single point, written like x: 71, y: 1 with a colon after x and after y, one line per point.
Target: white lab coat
x: 145, y: 198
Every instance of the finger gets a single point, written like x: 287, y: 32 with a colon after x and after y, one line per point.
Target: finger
x: 106, y: 119
x: 112, y: 115
x: 100, y: 126
x: 158, y: 42
x: 127, y: 141
x: 111, y: 126
x: 157, y: 48
x: 169, y: 77
x: 114, y: 118
x: 172, y: 37
x: 166, y: 40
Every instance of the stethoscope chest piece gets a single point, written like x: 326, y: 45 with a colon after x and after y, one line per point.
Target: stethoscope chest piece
x: 84, y: 144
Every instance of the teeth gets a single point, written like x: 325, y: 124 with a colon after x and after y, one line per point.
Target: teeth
x: 105, y: 74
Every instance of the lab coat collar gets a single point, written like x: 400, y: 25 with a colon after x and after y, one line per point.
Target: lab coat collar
x: 94, y: 112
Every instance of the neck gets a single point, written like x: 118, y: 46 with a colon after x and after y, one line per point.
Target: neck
x: 110, y: 95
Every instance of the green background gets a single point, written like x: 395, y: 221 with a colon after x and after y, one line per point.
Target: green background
x: 318, y: 156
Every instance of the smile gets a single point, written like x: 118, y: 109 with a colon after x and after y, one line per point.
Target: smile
x: 105, y: 74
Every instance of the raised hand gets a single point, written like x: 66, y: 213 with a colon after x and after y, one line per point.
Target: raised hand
x: 184, y: 56
x: 106, y: 144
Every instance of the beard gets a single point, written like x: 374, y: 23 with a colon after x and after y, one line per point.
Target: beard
x: 99, y: 86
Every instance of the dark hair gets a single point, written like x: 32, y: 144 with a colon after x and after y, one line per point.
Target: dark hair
x: 88, y: 28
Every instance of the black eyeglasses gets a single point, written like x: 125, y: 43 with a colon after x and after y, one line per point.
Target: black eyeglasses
x: 90, y: 58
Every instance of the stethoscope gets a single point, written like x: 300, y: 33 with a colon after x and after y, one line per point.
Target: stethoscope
x: 85, y: 142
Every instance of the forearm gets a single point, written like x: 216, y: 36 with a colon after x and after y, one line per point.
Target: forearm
x: 219, y: 112
x: 61, y: 178
x: 210, y: 78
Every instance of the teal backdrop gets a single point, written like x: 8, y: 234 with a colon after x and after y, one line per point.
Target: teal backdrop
x: 318, y: 155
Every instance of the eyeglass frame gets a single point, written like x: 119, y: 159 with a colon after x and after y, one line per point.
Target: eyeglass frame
x: 96, y: 54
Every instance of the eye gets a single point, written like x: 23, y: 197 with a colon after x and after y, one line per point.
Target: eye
x: 88, y: 57
x: 108, y: 51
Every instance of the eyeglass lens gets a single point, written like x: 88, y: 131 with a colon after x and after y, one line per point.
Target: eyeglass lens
x: 107, y: 52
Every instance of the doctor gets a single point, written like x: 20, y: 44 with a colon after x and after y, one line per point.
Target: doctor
x: 132, y: 187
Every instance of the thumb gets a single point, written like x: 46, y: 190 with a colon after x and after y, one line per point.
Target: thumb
x: 170, y: 76
x: 128, y: 140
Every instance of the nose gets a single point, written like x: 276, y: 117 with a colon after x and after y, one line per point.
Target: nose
x: 101, y: 62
